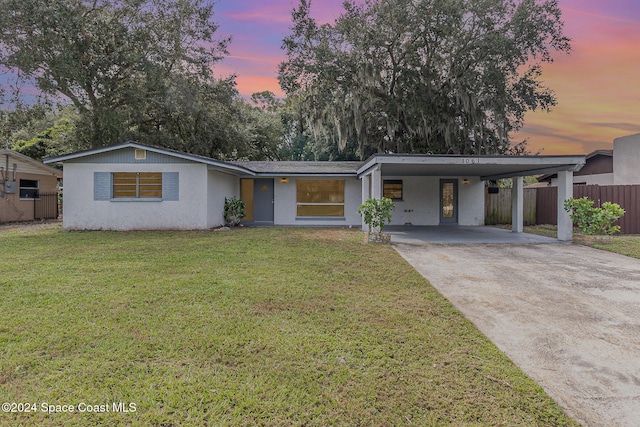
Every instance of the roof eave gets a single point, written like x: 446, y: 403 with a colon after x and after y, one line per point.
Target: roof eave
x: 303, y: 174
x: 53, y: 171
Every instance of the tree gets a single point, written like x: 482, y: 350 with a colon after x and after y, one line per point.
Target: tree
x: 411, y: 76
x: 132, y: 68
x: 53, y: 135
x: 40, y: 130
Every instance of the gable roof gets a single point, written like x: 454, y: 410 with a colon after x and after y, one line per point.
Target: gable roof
x: 34, y: 165
x: 606, y: 154
x: 236, y: 167
x: 213, y: 164
x: 487, y: 167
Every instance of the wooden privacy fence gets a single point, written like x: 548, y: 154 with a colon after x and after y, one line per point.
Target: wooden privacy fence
x: 627, y: 196
x: 498, y: 206
x: 46, y: 206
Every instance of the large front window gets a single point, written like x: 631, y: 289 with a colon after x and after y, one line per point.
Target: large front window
x: 323, y: 198
x: 137, y: 185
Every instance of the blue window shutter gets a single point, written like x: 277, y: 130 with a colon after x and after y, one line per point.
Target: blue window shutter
x: 102, y: 185
x: 170, y: 186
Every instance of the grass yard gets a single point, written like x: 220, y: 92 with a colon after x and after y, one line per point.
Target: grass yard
x: 623, y: 244
x: 262, y: 326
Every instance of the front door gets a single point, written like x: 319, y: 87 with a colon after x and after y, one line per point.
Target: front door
x: 448, y: 201
x: 263, y: 200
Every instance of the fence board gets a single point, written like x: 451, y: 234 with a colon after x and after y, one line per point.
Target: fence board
x: 627, y: 196
x: 46, y: 206
x: 547, y: 205
x: 498, y: 206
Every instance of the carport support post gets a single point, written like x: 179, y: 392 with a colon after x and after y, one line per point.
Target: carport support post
x: 376, y: 184
x: 366, y: 194
x: 517, y: 205
x: 565, y: 191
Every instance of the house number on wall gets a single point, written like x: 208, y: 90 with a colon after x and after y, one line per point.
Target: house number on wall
x: 470, y: 161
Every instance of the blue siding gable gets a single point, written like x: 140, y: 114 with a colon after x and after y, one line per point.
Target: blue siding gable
x: 127, y: 156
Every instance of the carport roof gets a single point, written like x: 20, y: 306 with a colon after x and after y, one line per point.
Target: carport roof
x: 486, y: 167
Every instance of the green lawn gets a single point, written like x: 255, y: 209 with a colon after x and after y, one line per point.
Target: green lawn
x: 625, y: 245
x: 628, y: 245
x: 263, y: 326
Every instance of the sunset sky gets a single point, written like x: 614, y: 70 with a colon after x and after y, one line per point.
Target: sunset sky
x: 597, y: 85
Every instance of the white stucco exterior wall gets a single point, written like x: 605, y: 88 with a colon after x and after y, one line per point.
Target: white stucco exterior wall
x: 471, y: 202
x: 82, y: 212
x: 626, y: 157
x: 420, y: 204
x: 285, y: 203
x: 219, y: 186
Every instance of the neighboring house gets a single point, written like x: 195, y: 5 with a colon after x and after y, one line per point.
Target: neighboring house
x: 134, y: 186
x: 608, y: 167
x: 22, y: 183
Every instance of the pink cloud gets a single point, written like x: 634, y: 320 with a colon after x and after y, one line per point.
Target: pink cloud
x: 598, y: 16
x: 595, y: 86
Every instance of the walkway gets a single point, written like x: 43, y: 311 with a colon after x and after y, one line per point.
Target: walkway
x: 567, y: 315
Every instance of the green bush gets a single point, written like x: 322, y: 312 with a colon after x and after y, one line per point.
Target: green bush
x: 376, y: 212
x: 233, y: 211
x: 592, y: 220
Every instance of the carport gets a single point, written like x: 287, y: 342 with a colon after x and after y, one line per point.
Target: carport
x: 437, y: 190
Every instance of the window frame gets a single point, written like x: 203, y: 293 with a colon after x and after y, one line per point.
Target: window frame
x: 36, y: 188
x: 323, y: 203
x: 393, y: 182
x: 139, y: 187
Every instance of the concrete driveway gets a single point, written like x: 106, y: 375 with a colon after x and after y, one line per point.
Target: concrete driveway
x: 459, y: 234
x: 567, y: 315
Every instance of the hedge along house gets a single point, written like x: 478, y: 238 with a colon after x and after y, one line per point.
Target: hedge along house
x: 134, y: 186
x: 28, y: 188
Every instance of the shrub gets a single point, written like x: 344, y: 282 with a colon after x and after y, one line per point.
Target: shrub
x: 376, y: 212
x: 233, y: 211
x: 592, y: 220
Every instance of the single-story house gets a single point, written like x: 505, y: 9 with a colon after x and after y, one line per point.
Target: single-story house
x: 608, y: 167
x: 24, y: 182
x: 134, y: 186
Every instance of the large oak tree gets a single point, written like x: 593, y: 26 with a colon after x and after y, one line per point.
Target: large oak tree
x: 411, y: 76
x: 133, y: 69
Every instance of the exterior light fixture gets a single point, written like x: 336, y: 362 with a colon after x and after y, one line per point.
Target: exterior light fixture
x: 284, y: 180
x: 465, y: 181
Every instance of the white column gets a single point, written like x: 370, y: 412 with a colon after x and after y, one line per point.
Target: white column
x: 565, y: 191
x: 517, y: 205
x: 366, y: 194
x: 376, y: 184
